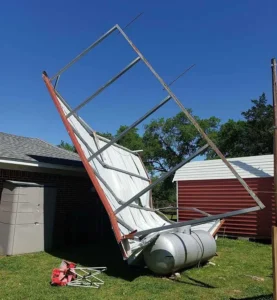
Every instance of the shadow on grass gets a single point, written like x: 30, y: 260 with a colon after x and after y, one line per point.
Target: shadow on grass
x: 195, y: 282
x: 101, y: 254
x: 107, y: 254
x: 262, y: 297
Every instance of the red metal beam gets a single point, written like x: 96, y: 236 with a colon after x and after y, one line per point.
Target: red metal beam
x: 86, y: 164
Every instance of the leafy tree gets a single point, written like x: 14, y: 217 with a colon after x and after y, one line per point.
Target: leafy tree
x: 259, y: 119
x: 167, y: 142
x: 67, y: 146
x: 107, y: 135
x: 251, y: 136
x: 131, y: 140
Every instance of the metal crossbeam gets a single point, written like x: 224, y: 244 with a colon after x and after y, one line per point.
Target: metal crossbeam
x: 56, y: 82
x: 163, y: 177
x: 88, y: 129
x: 150, y: 112
x: 124, y: 224
x: 119, y: 170
x: 105, y: 35
x: 104, y: 164
x: 87, y: 100
x: 199, y: 221
x: 192, y: 120
x: 184, y: 208
x: 114, y: 195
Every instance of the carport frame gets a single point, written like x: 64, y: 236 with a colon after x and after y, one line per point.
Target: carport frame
x: 93, y: 176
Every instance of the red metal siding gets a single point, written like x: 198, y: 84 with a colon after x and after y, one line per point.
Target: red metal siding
x: 223, y: 195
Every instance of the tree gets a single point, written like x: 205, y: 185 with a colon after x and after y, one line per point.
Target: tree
x: 106, y: 135
x: 251, y: 136
x: 132, y: 140
x: 259, y: 119
x: 67, y: 146
x: 167, y: 142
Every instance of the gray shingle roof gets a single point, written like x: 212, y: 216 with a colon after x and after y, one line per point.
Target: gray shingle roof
x: 35, y: 150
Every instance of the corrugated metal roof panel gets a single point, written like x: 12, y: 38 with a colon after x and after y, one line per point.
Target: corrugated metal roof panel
x: 247, y: 167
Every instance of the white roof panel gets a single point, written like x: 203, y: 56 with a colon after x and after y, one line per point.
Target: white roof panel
x: 119, y: 187
x: 247, y: 167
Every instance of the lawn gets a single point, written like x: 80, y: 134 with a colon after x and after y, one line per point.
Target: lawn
x: 242, y: 270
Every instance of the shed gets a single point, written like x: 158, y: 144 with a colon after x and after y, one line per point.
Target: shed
x: 210, y: 186
x: 79, y: 214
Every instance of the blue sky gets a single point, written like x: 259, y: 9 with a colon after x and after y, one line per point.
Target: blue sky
x: 231, y: 43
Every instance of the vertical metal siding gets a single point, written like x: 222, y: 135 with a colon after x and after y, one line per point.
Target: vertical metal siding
x: 223, y: 195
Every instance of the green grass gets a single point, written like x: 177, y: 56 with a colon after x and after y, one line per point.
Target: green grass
x: 28, y: 276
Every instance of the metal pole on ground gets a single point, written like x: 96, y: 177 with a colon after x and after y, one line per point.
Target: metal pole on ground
x: 274, y: 227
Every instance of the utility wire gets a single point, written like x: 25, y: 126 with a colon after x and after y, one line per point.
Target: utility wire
x: 132, y: 21
x: 188, y: 69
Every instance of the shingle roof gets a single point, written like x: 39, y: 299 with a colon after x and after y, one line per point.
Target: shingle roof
x: 35, y: 150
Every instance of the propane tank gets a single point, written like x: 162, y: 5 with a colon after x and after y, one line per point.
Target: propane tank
x: 173, y: 251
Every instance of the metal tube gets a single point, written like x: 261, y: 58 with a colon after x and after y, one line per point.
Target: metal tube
x: 198, y: 221
x: 119, y: 146
x: 116, y: 198
x: 274, y: 96
x: 84, y: 52
x: 127, y: 68
x: 56, y: 82
x: 82, y: 122
x: 96, y: 140
x: 184, y: 208
x: 150, y: 112
x: 89, y: 130
x: 104, y: 165
x: 192, y: 120
x: 104, y: 182
x: 124, y: 224
x: 163, y: 177
x: 125, y: 172
x: 87, y: 166
x: 274, y: 229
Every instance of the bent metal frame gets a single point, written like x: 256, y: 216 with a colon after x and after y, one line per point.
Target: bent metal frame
x: 96, y: 177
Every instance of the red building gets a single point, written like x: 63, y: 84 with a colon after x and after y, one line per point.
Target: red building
x: 210, y: 186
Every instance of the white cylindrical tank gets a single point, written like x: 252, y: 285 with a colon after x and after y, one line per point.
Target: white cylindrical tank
x: 176, y: 250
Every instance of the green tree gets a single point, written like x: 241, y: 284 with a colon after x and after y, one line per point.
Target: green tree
x: 106, y: 135
x: 132, y: 140
x: 167, y: 142
x: 251, y: 136
x: 67, y: 146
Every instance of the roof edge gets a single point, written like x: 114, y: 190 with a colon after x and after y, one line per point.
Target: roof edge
x: 254, y: 166
x: 40, y: 165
